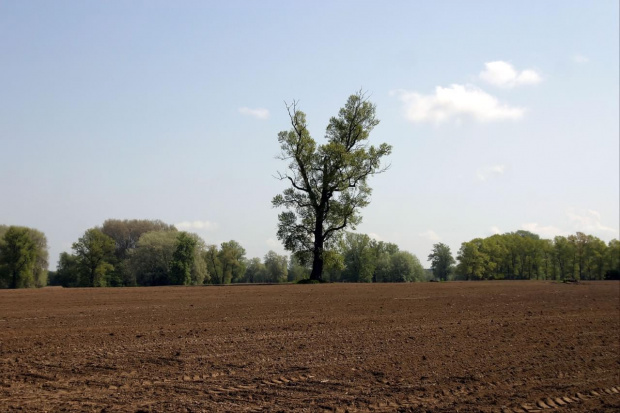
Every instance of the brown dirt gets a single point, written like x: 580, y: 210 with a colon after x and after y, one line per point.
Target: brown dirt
x: 440, y: 347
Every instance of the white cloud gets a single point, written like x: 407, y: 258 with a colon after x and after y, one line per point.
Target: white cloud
x: 196, y: 225
x: 430, y: 235
x: 455, y: 101
x: 504, y: 75
x: 544, y: 231
x: 495, y: 230
x: 581, y: 59
x: 276, y: 246
x: 376, y: 237
x: 258, y: 113
x: 588, y: 221
x: 488, y: 172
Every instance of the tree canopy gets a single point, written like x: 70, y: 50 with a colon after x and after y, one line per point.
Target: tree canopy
x: 328, y: 183
x: 23, y: 257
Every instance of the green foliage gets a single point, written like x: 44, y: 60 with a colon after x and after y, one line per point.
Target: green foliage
x: 328, y: 182
x: 182, y: 260
x: 405, y: 267
x: 359, y: 257
x: 23, y: 257
x: 255, y: 271
x: 18, y: 253
x: 227, y: 264
x: 276, y: 267
x: 126, y: 235
x: 524, y: 255
x: 68, y: 272
x: 149, y: 262
x: 442, y: 261
x: 296, y: 270
x: 94, y: 252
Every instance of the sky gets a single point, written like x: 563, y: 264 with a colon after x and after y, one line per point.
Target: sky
x: 503, y: 115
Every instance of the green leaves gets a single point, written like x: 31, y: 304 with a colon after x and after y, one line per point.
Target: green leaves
x: 327, y: 182
x: 94, y: 251
x: 441, y: 261
x: 18, y: 253
x: 182, y: 260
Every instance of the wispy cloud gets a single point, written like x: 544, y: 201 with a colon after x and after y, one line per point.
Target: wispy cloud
x: 503, y: 74
x: 258, y: 113
x: 588, y: 221
x: 430, y: 235
x: 488, y: 172
x: 196, y: 225
x: 544, y: 231
x: 495, y: 230
x: 455, y: 101
x: 275, y: 245
x: 579, y: 58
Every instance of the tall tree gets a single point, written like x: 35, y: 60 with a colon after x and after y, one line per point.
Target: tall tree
x: 474, y: 263
x: 405, y: 267
x: 127, y: 232
x: 182, y: 260
x: 226, y: 265
x: 359, y: 257
x: 67, y: 272
x: 149, y: 262
x: 441, y: 261
x: 18, y: 252
x: 255, y: 271
x: 329, y: 181
x: 94, y: 251
x: 276, y: 267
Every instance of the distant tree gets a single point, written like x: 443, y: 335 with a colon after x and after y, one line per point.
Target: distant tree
x: 149, y: 262
x: 474, y: 264
x: 214, y: 265
x: 442, y: 261
x: 405, y: 267
x: 297, y: 271
x: 382, y: 252
x: 94, y: 251
x: 182, y: 260
x: 199, y: 272
x: 328, y: 182
x: 255, y: 271
x: 359, y: 257
x: 67, y: 273
x: 42, y: 256
x: 126, y: 233
x: 564, y: 253
x: 18, y: 253
x: 227, y: 264
x: 276, y: 267
x: 594, y: 261
x: 232, y: 257
x: 612, y: 258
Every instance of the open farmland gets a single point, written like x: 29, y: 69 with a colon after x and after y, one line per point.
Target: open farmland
x: 477, y: 346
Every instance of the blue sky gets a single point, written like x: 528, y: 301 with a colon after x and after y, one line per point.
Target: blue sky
x: 503, y: 115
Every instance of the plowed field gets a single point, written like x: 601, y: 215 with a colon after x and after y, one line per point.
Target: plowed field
x: 439, y: 347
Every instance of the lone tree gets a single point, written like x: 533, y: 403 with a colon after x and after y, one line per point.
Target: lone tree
x: 328, y: 183
x: 442, y: 262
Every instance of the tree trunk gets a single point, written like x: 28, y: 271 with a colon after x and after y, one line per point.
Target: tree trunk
x: 317, y: 260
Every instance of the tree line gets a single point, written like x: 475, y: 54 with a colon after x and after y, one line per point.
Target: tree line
x: 522, y: 255
x: 151, y: 253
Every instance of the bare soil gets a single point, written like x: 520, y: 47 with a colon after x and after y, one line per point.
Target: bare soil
x: 439, y: 347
